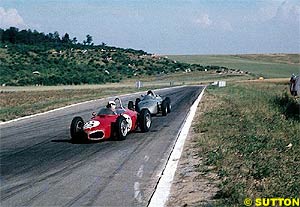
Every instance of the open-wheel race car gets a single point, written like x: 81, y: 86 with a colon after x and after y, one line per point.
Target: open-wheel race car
x: 152, y: 102
x: 112, y: 121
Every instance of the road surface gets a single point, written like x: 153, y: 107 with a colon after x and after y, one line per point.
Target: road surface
x: 41, y: 167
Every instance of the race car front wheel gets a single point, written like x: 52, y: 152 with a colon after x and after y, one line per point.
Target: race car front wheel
x: 164, y: 108
x: 76, y: 129
x: 168, y: 100
x: 145, y: 120
x: 121, y: 128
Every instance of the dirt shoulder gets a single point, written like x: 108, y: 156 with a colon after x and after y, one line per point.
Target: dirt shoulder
x: 191, y: 186
x: 269, y: 80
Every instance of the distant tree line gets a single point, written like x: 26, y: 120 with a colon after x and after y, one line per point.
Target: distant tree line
x: 14, y: 36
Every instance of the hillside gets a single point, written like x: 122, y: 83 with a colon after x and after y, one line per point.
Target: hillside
x: 33, y: 58
x: 76, y: 64
x: 267, y: 65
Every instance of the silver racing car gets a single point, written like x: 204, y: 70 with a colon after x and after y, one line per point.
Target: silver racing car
x: 153, y: 102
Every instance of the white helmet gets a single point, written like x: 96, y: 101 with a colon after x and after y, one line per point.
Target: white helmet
x: 111, y: 104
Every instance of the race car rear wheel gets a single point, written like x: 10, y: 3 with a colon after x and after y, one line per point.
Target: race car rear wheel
x: 145, y: 120
x: 164, y: 108
x: 76, y: 129
x: 121, y: 128
x: 130, y: 105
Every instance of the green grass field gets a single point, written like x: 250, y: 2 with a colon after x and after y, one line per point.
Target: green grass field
x: 248, y: 134
x: 268, y: 66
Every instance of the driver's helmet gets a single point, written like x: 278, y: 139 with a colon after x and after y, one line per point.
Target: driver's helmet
x: 293, y: 78
x: 150, y: 93
x: 111, y: 105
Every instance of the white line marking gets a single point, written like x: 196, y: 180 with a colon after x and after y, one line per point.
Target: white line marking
x: 64, y: 107
x: 136, y: 187
x: 137, y: 192
x: 141, y: 171
x: 162, y: 191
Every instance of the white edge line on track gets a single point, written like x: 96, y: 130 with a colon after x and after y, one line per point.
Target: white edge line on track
x: 161, y: 194
x: 64, y: 107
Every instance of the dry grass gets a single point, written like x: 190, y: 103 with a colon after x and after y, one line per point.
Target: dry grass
x: 270, y: 80
x: 16, y: 104
x: 179, y: 78
x: 22, y: 101
x: 275, y: 57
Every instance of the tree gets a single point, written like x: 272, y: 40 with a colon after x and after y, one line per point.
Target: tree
x: 66, y: 38
x: 50, y: 36
x: 1, y: 35
x: 23, y: 37
x: 89, y: 39
x: 12, y: 34
x: 56, y: 36
x: 74, y: 40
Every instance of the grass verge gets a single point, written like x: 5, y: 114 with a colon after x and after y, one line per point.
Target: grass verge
x: 14, y: 104
x: 248, y: 133
x: 22, y: 101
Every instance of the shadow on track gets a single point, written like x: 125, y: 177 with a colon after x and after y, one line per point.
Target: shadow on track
x: 85, y: 141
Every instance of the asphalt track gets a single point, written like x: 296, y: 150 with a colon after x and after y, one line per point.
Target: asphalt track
x: 41, y: 167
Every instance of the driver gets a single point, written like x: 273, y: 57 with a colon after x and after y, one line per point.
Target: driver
x: 150, y: 93
x: 111, y: 105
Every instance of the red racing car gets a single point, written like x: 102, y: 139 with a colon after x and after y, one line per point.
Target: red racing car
x: 111, y: 121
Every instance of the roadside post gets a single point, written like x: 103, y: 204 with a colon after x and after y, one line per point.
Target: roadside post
x: 138, y: 84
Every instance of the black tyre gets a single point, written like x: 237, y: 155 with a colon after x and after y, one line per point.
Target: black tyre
x: 121, y: 128
x: 137, y: 101
x: 76, y: 129
x: 169, y: 106
x: 164, y: 108
x: 145, y: 120
x: 130, y: 105
x: 168, y: 99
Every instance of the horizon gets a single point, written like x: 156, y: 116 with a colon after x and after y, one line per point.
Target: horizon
x: 229, y: 54
x: 177, y: 27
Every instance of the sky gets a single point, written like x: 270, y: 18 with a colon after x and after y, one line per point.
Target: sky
x: 166, y: 26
